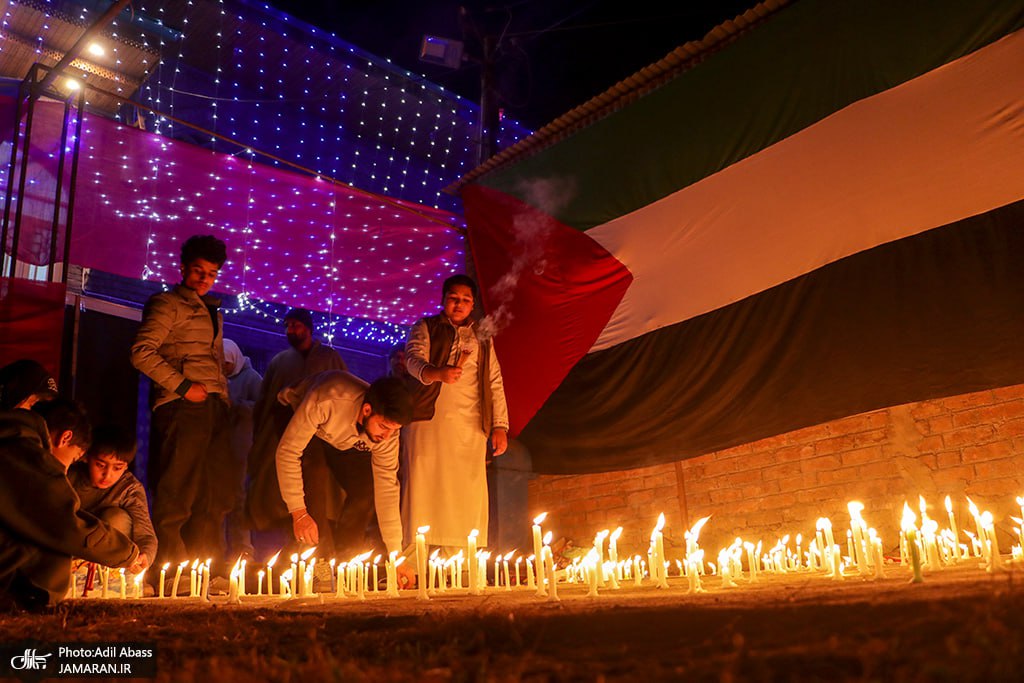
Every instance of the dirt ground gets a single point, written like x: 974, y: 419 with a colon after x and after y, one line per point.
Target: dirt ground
x: 960, y: 625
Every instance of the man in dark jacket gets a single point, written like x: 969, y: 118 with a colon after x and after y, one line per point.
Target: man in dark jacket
x: 41, y: 525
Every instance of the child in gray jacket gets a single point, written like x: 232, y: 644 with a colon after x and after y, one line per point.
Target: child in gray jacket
x: 110, y: 492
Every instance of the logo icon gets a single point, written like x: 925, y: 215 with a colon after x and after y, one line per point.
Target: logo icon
x: 30, y: 661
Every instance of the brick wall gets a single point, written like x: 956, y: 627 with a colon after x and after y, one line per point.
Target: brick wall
x: 972, y: 444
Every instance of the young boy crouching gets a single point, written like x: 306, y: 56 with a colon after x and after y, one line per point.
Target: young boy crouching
x: 110, y: 492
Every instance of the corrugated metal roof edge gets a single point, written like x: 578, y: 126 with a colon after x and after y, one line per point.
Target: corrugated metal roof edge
x: 626, y: 91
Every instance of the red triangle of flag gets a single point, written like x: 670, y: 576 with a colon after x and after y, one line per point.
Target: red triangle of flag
x: 549, y: 291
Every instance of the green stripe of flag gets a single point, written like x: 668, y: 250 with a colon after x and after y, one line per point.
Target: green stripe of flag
x: 810, y: 60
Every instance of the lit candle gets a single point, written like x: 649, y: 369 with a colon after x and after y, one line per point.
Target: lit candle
x: 837, y: 564
x: 912, y: 548
x: 599, y: 546
x: 138, y: 585
x: 259, y: 582
x: 549, y: 569
x: 270, y: 573
x: 995, y: 561
x: 591, y: 567
x: 177, y: 578
x: 163, y: 577
x: 693, y: 571
x: 391, y: 569
x: 361, y: 575
x: 233, y: 587
x: 825, y: 526
x: 658, y: 553
x: 124, y: 586
x: 193, y: 578
x: 305, y: 587
x: 751, y: 561
x: 530, y: 585
x: 876, y: 546
x: 206, y: 579
x: 954, y: 528
x: 474, y: 588
x: 285, y: 588
x: 637, y: 572
x: 977, y: 521
x: 519, y: 577
x: 508, y: 577
x: 537, y: 521
x: 376, y: 561
x: 421, y: 562
x: 293, y: 588
x: 241, y: 579
x: 799, y: 539
x: 613, y: 549
x: 433, y: 572
x: 339, y: 581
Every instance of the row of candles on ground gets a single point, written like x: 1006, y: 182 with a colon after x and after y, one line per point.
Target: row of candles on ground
x: 923, y: 545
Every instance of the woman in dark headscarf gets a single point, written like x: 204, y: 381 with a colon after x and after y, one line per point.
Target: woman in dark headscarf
x: 23, y: 383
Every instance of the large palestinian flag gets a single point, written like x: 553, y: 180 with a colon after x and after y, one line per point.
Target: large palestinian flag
x: 821, y: 217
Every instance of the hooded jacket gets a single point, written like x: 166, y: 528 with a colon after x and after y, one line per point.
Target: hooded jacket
x: 41, y: 524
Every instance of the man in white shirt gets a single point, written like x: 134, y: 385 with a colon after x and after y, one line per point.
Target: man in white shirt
x: 355, y: 426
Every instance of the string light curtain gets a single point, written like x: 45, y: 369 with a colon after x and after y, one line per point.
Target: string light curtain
x: 291, y: 238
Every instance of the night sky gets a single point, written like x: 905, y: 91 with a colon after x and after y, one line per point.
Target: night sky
x: 553, y: 54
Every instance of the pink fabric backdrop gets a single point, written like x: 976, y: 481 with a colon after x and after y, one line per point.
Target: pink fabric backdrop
x: 291, y: 238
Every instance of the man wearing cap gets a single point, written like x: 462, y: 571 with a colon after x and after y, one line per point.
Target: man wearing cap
x: 304, y: 357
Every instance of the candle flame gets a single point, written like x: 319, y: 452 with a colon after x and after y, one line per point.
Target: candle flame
x: 909, y: 518
x: 392, y: 555
x: 661, y: 522
x: 261, y: 573
x: 166, y: 565
x: 539, y: 519
x: 519, y: 559
x: 274, y: 559
x: 195, y: 564
x: 695, y: 529
x: 474, y: 533
x: 986, y: 519
x: 295, y: 557
x: 399, y: 561
x: 855, y: 507
x: 972, y: 507
x: 949, y: 504
x: 423, y: 529
x: 376, y: 559
x: 510, y: 555
x: 433, y: 555
x: 306, y: 555
x: 238, y: 565
x: 616, y: 534
x: 824, y: 523
x: 547, y: 538
x: 183, y: 564
x: 1020, y: 500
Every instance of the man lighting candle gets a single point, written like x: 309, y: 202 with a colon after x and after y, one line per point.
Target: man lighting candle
x: 356, y: 426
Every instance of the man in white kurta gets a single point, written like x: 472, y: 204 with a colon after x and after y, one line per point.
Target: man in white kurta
x: 447, y: 488
x: 357, y: 426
